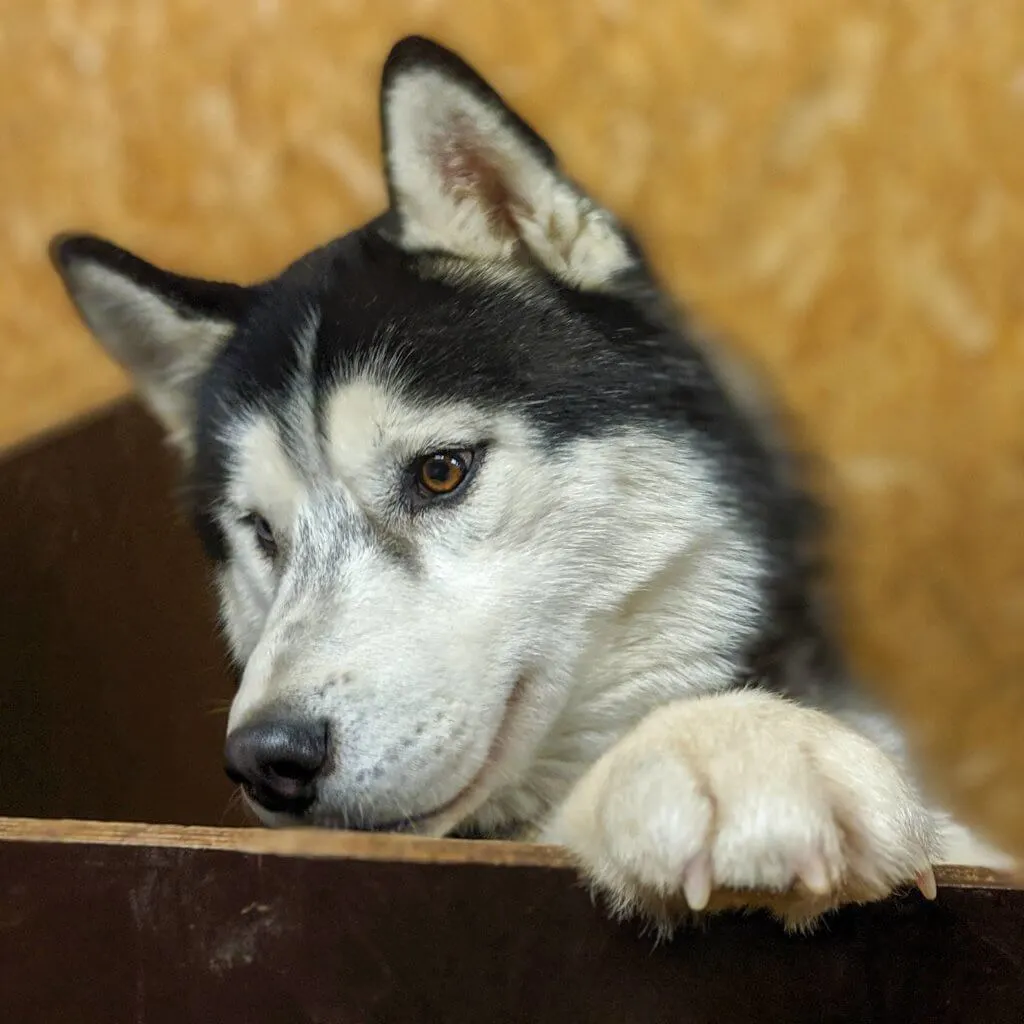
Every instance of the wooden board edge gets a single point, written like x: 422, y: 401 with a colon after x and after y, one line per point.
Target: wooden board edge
x: 324, y: 843
x: 299, y: 842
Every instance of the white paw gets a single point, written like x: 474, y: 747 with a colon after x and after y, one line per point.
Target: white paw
x: 749, y: 797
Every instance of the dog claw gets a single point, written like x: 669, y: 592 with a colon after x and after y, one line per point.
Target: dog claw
x: 697, y: 881
x: 814, y: 875
x: 926, y: 883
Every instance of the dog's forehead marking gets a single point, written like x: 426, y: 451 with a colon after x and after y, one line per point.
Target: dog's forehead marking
x: 263, y: 476
x: 367, y: 419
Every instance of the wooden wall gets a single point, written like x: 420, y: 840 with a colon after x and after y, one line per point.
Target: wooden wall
x: 838, y: 186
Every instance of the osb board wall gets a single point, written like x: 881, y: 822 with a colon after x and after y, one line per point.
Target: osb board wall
x: 838, y: 186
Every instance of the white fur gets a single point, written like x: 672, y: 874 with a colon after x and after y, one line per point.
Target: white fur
x: 745, y: 791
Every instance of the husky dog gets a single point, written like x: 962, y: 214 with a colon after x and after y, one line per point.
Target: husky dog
x: 503, y: 550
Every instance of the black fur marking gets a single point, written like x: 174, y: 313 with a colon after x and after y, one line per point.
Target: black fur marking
x: 191, y: 297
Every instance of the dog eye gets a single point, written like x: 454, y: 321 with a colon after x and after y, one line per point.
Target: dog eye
x: 442, y: 473
x: 263, y: 533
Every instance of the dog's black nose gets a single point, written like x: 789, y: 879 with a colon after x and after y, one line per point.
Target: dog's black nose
x: 278, y: 761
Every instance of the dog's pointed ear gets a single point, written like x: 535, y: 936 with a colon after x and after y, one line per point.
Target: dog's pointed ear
x: 162, y: 328
x: 466, y: 175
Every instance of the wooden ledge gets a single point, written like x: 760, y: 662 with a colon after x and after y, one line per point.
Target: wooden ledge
x: 325, y: 843
x: 299, y: 842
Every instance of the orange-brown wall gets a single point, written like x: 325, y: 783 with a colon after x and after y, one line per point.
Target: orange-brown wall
x: 839, y: 186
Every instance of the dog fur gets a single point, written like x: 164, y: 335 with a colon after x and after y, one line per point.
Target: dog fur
x: 614, y: 634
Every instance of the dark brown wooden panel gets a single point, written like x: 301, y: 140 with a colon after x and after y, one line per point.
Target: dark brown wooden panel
x: 109, y: 658
x: 170, y: 933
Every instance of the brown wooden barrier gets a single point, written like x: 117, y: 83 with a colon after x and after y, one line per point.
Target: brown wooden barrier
x: 105, y: 923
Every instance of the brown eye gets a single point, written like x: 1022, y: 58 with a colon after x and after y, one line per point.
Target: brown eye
x: 441, y: 473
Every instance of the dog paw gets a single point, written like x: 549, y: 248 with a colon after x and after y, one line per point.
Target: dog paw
x: 745, y: 800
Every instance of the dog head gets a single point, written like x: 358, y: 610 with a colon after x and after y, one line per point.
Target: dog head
x: 431, y: 461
